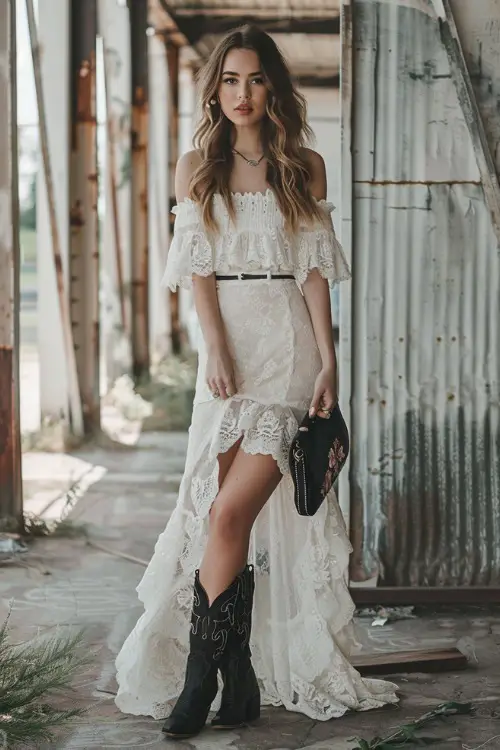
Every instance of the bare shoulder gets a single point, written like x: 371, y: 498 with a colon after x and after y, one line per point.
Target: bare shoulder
x: 317, y: 171
x: 186, y: 166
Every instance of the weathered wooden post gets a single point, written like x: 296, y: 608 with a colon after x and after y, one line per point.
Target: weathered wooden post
x: 173, y: 154
x: 140, y: 203
x: 84, y: 247
x: 11, y: 508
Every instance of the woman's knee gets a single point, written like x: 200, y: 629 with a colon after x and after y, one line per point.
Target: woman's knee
x: 226, y: 520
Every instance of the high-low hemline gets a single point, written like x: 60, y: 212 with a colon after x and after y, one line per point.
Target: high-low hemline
x: 300, y: 644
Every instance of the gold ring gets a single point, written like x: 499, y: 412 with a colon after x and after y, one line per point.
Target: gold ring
x: 230, y: 394
x: 327, y: 412
x: 216, y: 394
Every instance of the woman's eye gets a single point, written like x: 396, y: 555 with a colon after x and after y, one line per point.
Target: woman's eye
x: 259, y: 81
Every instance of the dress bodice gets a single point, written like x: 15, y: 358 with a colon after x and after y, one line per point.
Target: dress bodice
x: 256, y: 240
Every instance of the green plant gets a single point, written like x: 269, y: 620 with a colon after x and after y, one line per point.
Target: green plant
x: 34, y: 526
x: 30, y: 675
x: 408, y: 734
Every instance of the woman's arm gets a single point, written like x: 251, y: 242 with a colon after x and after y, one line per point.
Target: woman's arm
x: 317, y: 297
x: 219, y: 374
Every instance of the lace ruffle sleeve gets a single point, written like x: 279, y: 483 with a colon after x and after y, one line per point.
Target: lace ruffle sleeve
x: 190, y: 251
x: 318, y: 247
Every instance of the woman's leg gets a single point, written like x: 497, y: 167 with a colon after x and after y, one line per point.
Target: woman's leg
x: 246, y: 484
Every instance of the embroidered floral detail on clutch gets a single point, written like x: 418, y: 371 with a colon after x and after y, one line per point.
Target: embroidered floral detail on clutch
x: 336, y: 458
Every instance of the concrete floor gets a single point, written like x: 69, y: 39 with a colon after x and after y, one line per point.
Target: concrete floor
x: 66, y: 583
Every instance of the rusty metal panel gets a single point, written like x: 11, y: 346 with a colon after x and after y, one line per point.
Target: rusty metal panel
x: 84, y: 248
x: 138, y: 10
x: 11, y: 509
x: 425, y: 464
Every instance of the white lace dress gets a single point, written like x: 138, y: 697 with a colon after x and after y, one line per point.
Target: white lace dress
x: 302, y: 620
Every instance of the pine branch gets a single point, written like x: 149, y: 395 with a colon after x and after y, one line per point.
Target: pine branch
x: 34, y: 725
x: 408, y: 734
x: 30, y: 675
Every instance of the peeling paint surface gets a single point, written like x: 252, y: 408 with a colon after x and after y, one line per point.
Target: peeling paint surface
x: 6, y: 232
x: 425, y: 393
x: 6, y: 157
x: 10, y: 448
x: 478, y: 24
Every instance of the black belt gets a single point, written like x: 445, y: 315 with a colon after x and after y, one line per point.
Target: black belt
x: 247, y: 276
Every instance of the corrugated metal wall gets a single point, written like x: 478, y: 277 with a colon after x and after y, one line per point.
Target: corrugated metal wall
x: 425, y: 338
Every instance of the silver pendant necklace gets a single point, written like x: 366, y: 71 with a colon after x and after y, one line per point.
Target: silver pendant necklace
x: 250, y: 162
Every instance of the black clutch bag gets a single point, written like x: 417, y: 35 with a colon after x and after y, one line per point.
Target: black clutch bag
x: 317, y: 455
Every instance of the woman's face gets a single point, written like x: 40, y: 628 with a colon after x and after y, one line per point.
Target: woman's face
x: 242, y: 90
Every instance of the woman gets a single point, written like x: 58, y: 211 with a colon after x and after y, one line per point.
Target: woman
x: 254, y: 238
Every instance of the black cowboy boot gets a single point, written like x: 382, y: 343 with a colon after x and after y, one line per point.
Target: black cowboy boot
x: 240, y: 702
x: 210, y: 627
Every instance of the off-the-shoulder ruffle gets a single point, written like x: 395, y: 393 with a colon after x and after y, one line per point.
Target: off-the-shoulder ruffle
x: 258, y: 242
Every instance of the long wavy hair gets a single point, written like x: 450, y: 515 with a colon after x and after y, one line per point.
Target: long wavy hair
x: 284, y: 134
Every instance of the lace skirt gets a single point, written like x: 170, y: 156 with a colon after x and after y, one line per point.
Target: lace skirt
x: 302, y: 621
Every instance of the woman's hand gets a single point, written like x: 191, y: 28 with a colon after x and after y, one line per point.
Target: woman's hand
x: 325, y: 393
x: 219, y: 374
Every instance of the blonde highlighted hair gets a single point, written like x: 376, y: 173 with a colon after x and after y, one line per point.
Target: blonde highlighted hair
x: 284, y: 130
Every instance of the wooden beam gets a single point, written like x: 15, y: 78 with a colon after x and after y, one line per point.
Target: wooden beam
x: 311, y: 80
x: 196, y: 26
x: 11, y: 507
x: 138, y: 10
x: 164, y: 25
x: 388, y: 596
x: 195, y: 22
x: 433, y: 660
x: 173, y: 154
x: 470, y: 109
x: 83, y: 219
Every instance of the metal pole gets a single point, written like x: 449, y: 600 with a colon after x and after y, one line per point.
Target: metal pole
x: 11, y: 503
x: 138, y: 14
x: 84, y: 246
x: 74, y: 389
x: 173, y: 155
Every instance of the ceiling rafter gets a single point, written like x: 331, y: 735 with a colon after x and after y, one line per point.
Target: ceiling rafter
x: 202, y: 24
